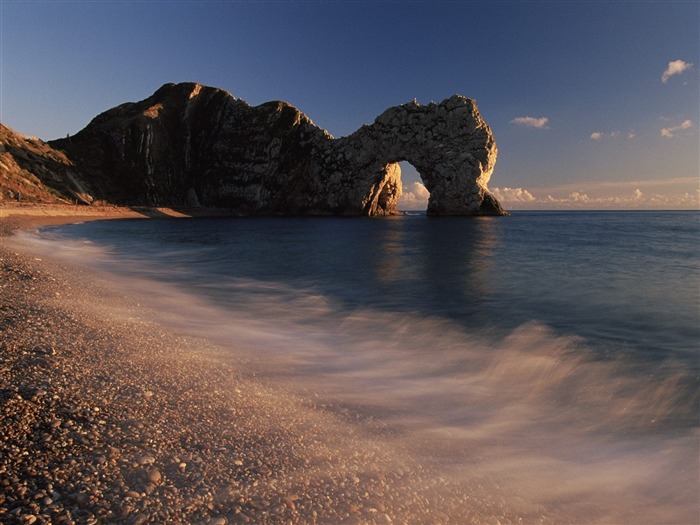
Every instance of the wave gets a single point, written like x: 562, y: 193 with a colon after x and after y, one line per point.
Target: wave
x: 535, y: 418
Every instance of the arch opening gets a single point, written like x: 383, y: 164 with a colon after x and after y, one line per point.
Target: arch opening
x: 415, y: 195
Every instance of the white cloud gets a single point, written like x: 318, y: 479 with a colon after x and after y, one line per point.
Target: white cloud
x: 507, y: 195
x: 599, y: 135
x: 532, y: 122
x: 683, y: 201
x: 618, y: 195
x: 579, y: 197
x: 670, y: 132
x: 675, y: 67
x: 414, y: 197
x: 599, y: 195
x: 636, y: 200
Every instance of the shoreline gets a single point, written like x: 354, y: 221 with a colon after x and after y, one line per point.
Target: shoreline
x: 108, y: 417
x: 32, y: 215
x: 111, y: 419
x: 116, y: 409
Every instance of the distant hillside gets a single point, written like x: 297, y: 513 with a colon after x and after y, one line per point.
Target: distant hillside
x: 33, y: 171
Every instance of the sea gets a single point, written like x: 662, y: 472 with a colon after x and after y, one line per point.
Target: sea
x: 552, y: 356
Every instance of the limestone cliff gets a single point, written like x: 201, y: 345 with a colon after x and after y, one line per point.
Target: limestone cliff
x: 189, y: 144
x: 449, y: 144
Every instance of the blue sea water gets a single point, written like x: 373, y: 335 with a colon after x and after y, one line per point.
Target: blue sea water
x: 555, y: 352
x: 626, y: 281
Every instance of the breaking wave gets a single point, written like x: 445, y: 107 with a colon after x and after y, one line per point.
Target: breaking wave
x: 538, y: 419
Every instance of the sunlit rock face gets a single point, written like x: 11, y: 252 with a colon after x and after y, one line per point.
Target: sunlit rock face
x: 33, y: 171
x: 189, y: 144
x: 449, y: 144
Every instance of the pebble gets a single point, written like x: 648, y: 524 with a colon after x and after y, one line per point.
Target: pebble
x: 138, y: 519
x: 145, y: 460
x: 155, y: 476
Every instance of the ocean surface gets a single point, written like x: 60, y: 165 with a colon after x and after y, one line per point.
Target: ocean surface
x: 553, y: 356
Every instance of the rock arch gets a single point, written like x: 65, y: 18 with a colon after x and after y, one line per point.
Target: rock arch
x: 189, y: 143
x: 449, y: 144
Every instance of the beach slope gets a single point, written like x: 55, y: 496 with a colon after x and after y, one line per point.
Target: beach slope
x: 107, y: 417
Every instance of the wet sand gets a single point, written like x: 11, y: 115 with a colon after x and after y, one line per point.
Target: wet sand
x: 107, y: 417
x: 27, y: 216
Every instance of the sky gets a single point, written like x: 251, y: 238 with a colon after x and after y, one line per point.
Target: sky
x: 593, y: 104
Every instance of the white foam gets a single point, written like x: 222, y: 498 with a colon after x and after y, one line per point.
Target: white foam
x: 539, y: 416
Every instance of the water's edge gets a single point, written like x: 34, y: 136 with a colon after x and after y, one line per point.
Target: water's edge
x: 538, y: 410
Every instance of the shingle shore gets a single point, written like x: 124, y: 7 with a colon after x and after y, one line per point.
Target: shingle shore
x: 109, y: 418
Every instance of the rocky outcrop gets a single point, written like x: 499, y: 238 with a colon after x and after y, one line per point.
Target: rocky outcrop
x: 449, y: 144
x: 33, y: 171
x: 190, y: 144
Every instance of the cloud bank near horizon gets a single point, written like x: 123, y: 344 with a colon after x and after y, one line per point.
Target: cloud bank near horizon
x: 615, y: 196
x: 520, y: 198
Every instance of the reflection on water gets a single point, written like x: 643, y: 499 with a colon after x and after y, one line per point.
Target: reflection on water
x: 460, y: 255
x: 624, y: 281
x: 441, y: 267
x: 394, y: 261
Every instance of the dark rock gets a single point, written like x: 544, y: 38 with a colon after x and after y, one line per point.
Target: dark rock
x: 189, y: 144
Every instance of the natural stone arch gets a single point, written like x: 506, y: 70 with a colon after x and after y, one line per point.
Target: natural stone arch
x: 449, y: 144
x: 194, y: 144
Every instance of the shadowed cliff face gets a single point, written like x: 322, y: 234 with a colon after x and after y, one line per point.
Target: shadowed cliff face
x: 190, y: 144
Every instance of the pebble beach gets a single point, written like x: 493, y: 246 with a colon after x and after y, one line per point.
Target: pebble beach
x: 107, y: 417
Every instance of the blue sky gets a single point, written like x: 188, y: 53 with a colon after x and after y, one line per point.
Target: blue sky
x: 592, y: 104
